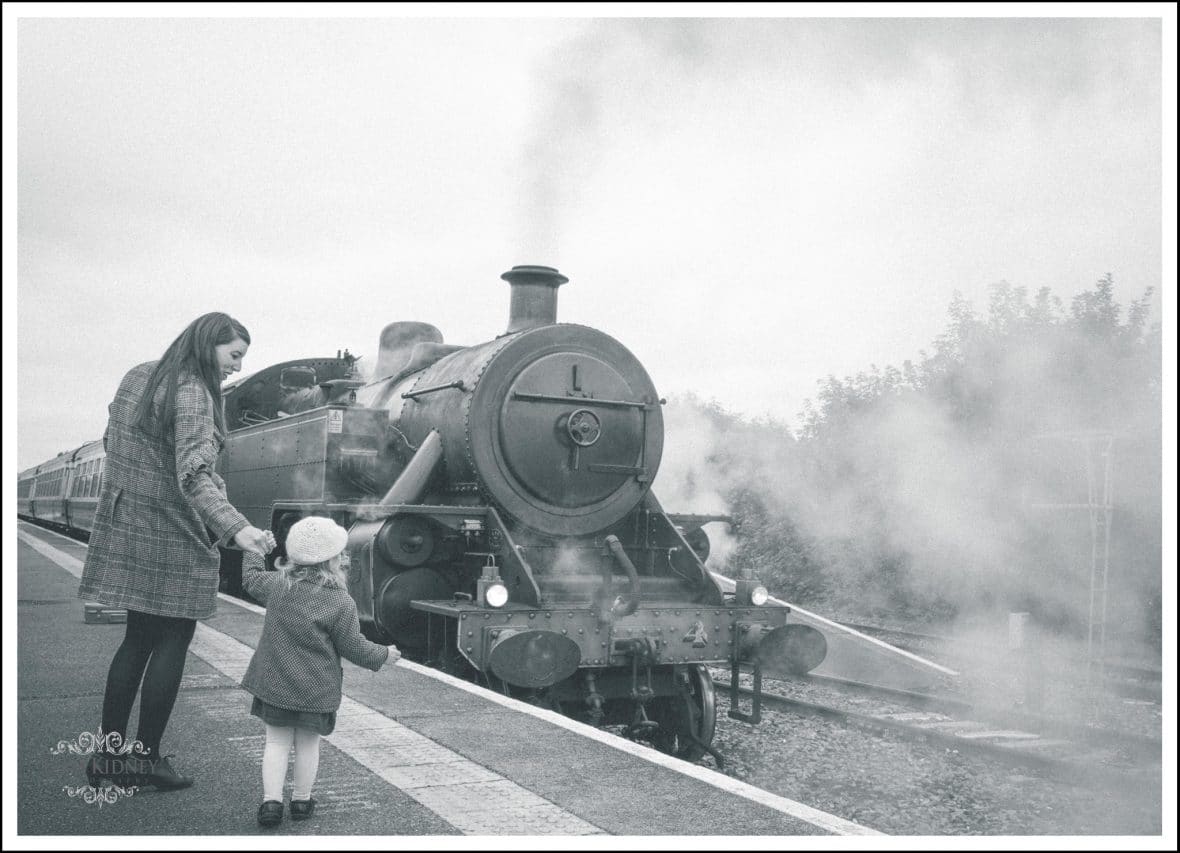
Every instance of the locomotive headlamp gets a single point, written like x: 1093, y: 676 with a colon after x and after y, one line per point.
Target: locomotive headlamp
x: 496, y: 595
x: 750, y: 592
x: 490, y: 590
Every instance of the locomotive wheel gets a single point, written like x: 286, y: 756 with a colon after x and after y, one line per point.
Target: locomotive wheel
x: 687, y: 721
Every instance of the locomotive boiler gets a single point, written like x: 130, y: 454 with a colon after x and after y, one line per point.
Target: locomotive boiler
x: 502, y: 521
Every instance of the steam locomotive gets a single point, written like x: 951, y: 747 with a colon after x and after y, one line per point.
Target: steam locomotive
x: 502, y: 522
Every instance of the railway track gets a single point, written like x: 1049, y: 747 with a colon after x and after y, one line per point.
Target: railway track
x: 1068, y: 752
x: 1011, y: 718
x: 1133, y: 679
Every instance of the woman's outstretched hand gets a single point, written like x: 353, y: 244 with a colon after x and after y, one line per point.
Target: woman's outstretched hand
x: 250, y: 538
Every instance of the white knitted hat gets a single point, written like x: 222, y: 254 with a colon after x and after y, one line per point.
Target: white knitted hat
x: 315, y: 539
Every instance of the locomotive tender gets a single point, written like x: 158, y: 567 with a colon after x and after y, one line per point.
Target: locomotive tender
x: 502, y: 523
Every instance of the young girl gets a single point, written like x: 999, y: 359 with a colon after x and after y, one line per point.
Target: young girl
x: 295, y: 675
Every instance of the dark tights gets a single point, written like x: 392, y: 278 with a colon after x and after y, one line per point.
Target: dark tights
x: 157, y: 645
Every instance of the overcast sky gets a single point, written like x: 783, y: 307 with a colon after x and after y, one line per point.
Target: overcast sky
x: 748, y: 205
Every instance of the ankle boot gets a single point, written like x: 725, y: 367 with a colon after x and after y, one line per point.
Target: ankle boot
x: 158, y: 771
x: 97, y: 770
x: 110, y: 767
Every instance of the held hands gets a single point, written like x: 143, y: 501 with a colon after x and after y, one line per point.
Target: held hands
x: 250, y: 538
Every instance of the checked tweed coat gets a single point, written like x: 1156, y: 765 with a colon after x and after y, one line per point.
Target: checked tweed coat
x: 162, y: 509
x: 308, y: 627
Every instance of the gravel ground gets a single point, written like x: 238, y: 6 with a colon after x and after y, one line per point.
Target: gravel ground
x: 909, y: 787
x: 905, y: 787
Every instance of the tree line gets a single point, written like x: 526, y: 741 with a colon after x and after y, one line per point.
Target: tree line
x: 972, y: 479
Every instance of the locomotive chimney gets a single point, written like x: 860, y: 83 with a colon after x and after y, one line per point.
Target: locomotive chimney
x: 534, y: 296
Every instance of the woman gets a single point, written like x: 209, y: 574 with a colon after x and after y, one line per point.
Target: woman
x: 161, y: 514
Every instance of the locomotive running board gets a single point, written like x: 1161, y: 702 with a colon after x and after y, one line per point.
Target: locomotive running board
x: 854, y: 655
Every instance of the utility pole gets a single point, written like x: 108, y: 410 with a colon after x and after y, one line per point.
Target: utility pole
x: 1097, y: 448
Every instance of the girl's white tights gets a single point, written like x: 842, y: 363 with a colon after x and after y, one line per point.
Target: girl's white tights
x: 274, y: 762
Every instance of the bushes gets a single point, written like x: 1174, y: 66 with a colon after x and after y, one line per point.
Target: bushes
x: 912, y: 494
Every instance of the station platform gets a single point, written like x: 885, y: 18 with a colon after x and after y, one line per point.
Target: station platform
x: 415, y: 752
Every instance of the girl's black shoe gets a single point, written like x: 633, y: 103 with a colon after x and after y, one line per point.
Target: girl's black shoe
x: 302, y: 809
x: 270, y: 813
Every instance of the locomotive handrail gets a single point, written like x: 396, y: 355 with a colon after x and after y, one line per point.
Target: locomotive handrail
x: 554, y: 398
x: 692, y: 520
x: 601, y: 468
x: 411, y: 395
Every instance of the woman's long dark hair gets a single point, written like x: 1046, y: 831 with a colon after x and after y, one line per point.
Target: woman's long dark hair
x: 194, y: 350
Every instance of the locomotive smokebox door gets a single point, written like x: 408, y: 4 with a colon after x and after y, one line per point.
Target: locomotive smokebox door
x: 586, y: 450
x: 565, y: 430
